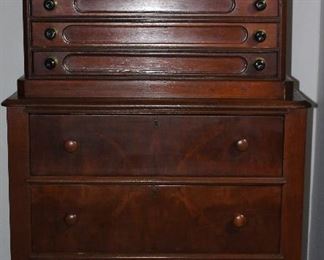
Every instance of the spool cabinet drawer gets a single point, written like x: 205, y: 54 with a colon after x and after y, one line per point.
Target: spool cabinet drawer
x: 225, y: 35
x: 155, y: 219
x: 148, y: 145
x: 158, y: 64
x: 179, y: 8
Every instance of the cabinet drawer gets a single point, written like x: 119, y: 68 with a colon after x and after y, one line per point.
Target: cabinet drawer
x: 159, y: 219
x: 156, y: 145
x: 169, y: 64
x: 186, y: 8
x: 224, y: 35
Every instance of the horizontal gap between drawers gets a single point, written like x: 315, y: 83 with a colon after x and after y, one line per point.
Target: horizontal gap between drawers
x: 156, y: 49
x: 155, y: 19
x: 171, y: 256
x: 155, y: 180
x: 150, y: 50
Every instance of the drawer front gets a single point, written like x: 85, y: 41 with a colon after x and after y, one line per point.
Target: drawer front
x: 154, y: 8
x: 178, y: 35
x: 155, y: 219
x: 155, y: 64
x: 156, y: 145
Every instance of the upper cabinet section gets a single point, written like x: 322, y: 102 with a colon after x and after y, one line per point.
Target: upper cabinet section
x: 137, y: 8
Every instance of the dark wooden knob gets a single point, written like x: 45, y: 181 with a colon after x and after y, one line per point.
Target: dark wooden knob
x: 260, y: 36
x: 239, y: 221
x: 71, y: 219
x: 260, y: 64
x: 50, y: 63
x: 261, y: 5
x: 50, y: 33
x: 71, y: 146
x: 242, y: 145
x: 50, y: 5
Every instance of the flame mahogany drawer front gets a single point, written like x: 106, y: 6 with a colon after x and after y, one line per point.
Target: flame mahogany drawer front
x: 50, y: 8
x: 161, y: 219
x: 156, y: 64
x: 156, y: 145
x: 225, y: 35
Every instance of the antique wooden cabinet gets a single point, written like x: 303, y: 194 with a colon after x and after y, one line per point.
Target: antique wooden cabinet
x: 156, y: 129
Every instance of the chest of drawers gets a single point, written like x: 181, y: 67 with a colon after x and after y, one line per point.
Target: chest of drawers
x: 172, y: 179
x: 156, y: 129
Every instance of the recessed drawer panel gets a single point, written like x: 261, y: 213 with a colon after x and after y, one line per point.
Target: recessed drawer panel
x: 156, y: 145
x: 155, y: 219
x: 188, y: 35
x: 154, y: 7
x: 155, y: 64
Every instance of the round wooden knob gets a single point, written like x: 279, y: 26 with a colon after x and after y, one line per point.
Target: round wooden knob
x: 242, y: 145
x: 71, y: 146
x: 239, y: 220
x: 71, y: 219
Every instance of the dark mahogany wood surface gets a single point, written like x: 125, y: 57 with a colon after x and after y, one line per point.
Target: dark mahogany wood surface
x: 223, y: 35
x: 176, y: 27
x: 170, y: 64
x: 200, y: 106
x: 155, y: 219
x: 156, y: 145
x: 148, y: 88
x: 156, y: 129
x: 155, y: 7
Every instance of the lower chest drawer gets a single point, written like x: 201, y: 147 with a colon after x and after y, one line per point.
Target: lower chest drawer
x: 156, y: 145
x: 136, y: 219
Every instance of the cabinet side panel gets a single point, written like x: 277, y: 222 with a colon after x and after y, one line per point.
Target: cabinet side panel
x: 18, y: 172
x: 294, y: 167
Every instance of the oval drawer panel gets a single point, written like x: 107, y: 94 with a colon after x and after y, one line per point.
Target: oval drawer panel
x: 156, y: 145
x: 130, y: 219
x: 154, y: 8
x: 184, y: 35
x: 155, y: 64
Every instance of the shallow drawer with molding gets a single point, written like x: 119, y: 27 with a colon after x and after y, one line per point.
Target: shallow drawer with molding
x: 156, y: 64
x: 133, y: 8
x: 94, y: 34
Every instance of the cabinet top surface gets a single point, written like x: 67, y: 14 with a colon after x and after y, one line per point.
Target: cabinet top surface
x: 297, y: 101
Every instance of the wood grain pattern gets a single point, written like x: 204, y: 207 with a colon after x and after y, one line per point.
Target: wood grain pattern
x: 156, y: 133
x: 18, y: 150
x: 293, y: 192
x: 67, y: 214
x: 154, y: 7
x: 171, y: 64
x: 155, y: 219
x: 156, y: 145
x: 225, y: 35
x: 221, y: 89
